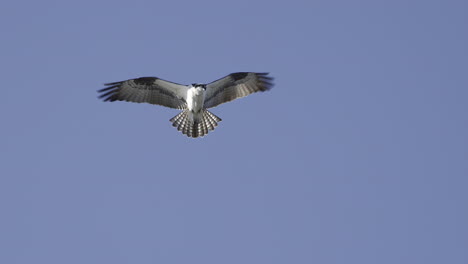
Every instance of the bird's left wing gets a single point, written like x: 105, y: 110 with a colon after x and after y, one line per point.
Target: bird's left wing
x: 150, y: 90
x: 236, y: 85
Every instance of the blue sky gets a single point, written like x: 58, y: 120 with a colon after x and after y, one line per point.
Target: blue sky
x: 357, y: 155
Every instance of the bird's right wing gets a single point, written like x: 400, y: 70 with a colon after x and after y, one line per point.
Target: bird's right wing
x: 150, y: 90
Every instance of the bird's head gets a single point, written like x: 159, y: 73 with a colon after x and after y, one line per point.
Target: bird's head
x: 197, y: 85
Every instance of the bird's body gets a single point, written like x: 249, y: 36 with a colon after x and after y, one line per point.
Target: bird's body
x: 195, y: 98
x: 195, y: 120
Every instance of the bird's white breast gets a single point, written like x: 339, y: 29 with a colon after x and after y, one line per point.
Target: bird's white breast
x: 195, y: 98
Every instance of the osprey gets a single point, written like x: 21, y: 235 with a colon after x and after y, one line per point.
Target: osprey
x: 195, y: 120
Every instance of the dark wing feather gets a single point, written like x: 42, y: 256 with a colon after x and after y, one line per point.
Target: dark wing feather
x: 236, y: 85
x: 150, y: 90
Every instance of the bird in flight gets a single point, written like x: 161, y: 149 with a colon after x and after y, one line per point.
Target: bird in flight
x: 194, y: 100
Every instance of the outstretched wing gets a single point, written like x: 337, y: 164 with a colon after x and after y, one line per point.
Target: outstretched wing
x: 236, y: 85
x: 150, y: 90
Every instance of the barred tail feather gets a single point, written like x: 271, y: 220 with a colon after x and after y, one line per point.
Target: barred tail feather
x: 195, y: 124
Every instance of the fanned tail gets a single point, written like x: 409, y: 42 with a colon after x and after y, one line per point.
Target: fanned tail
x: 195, y: 124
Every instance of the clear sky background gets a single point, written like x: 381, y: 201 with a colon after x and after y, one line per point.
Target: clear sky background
x: 357, y: 155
